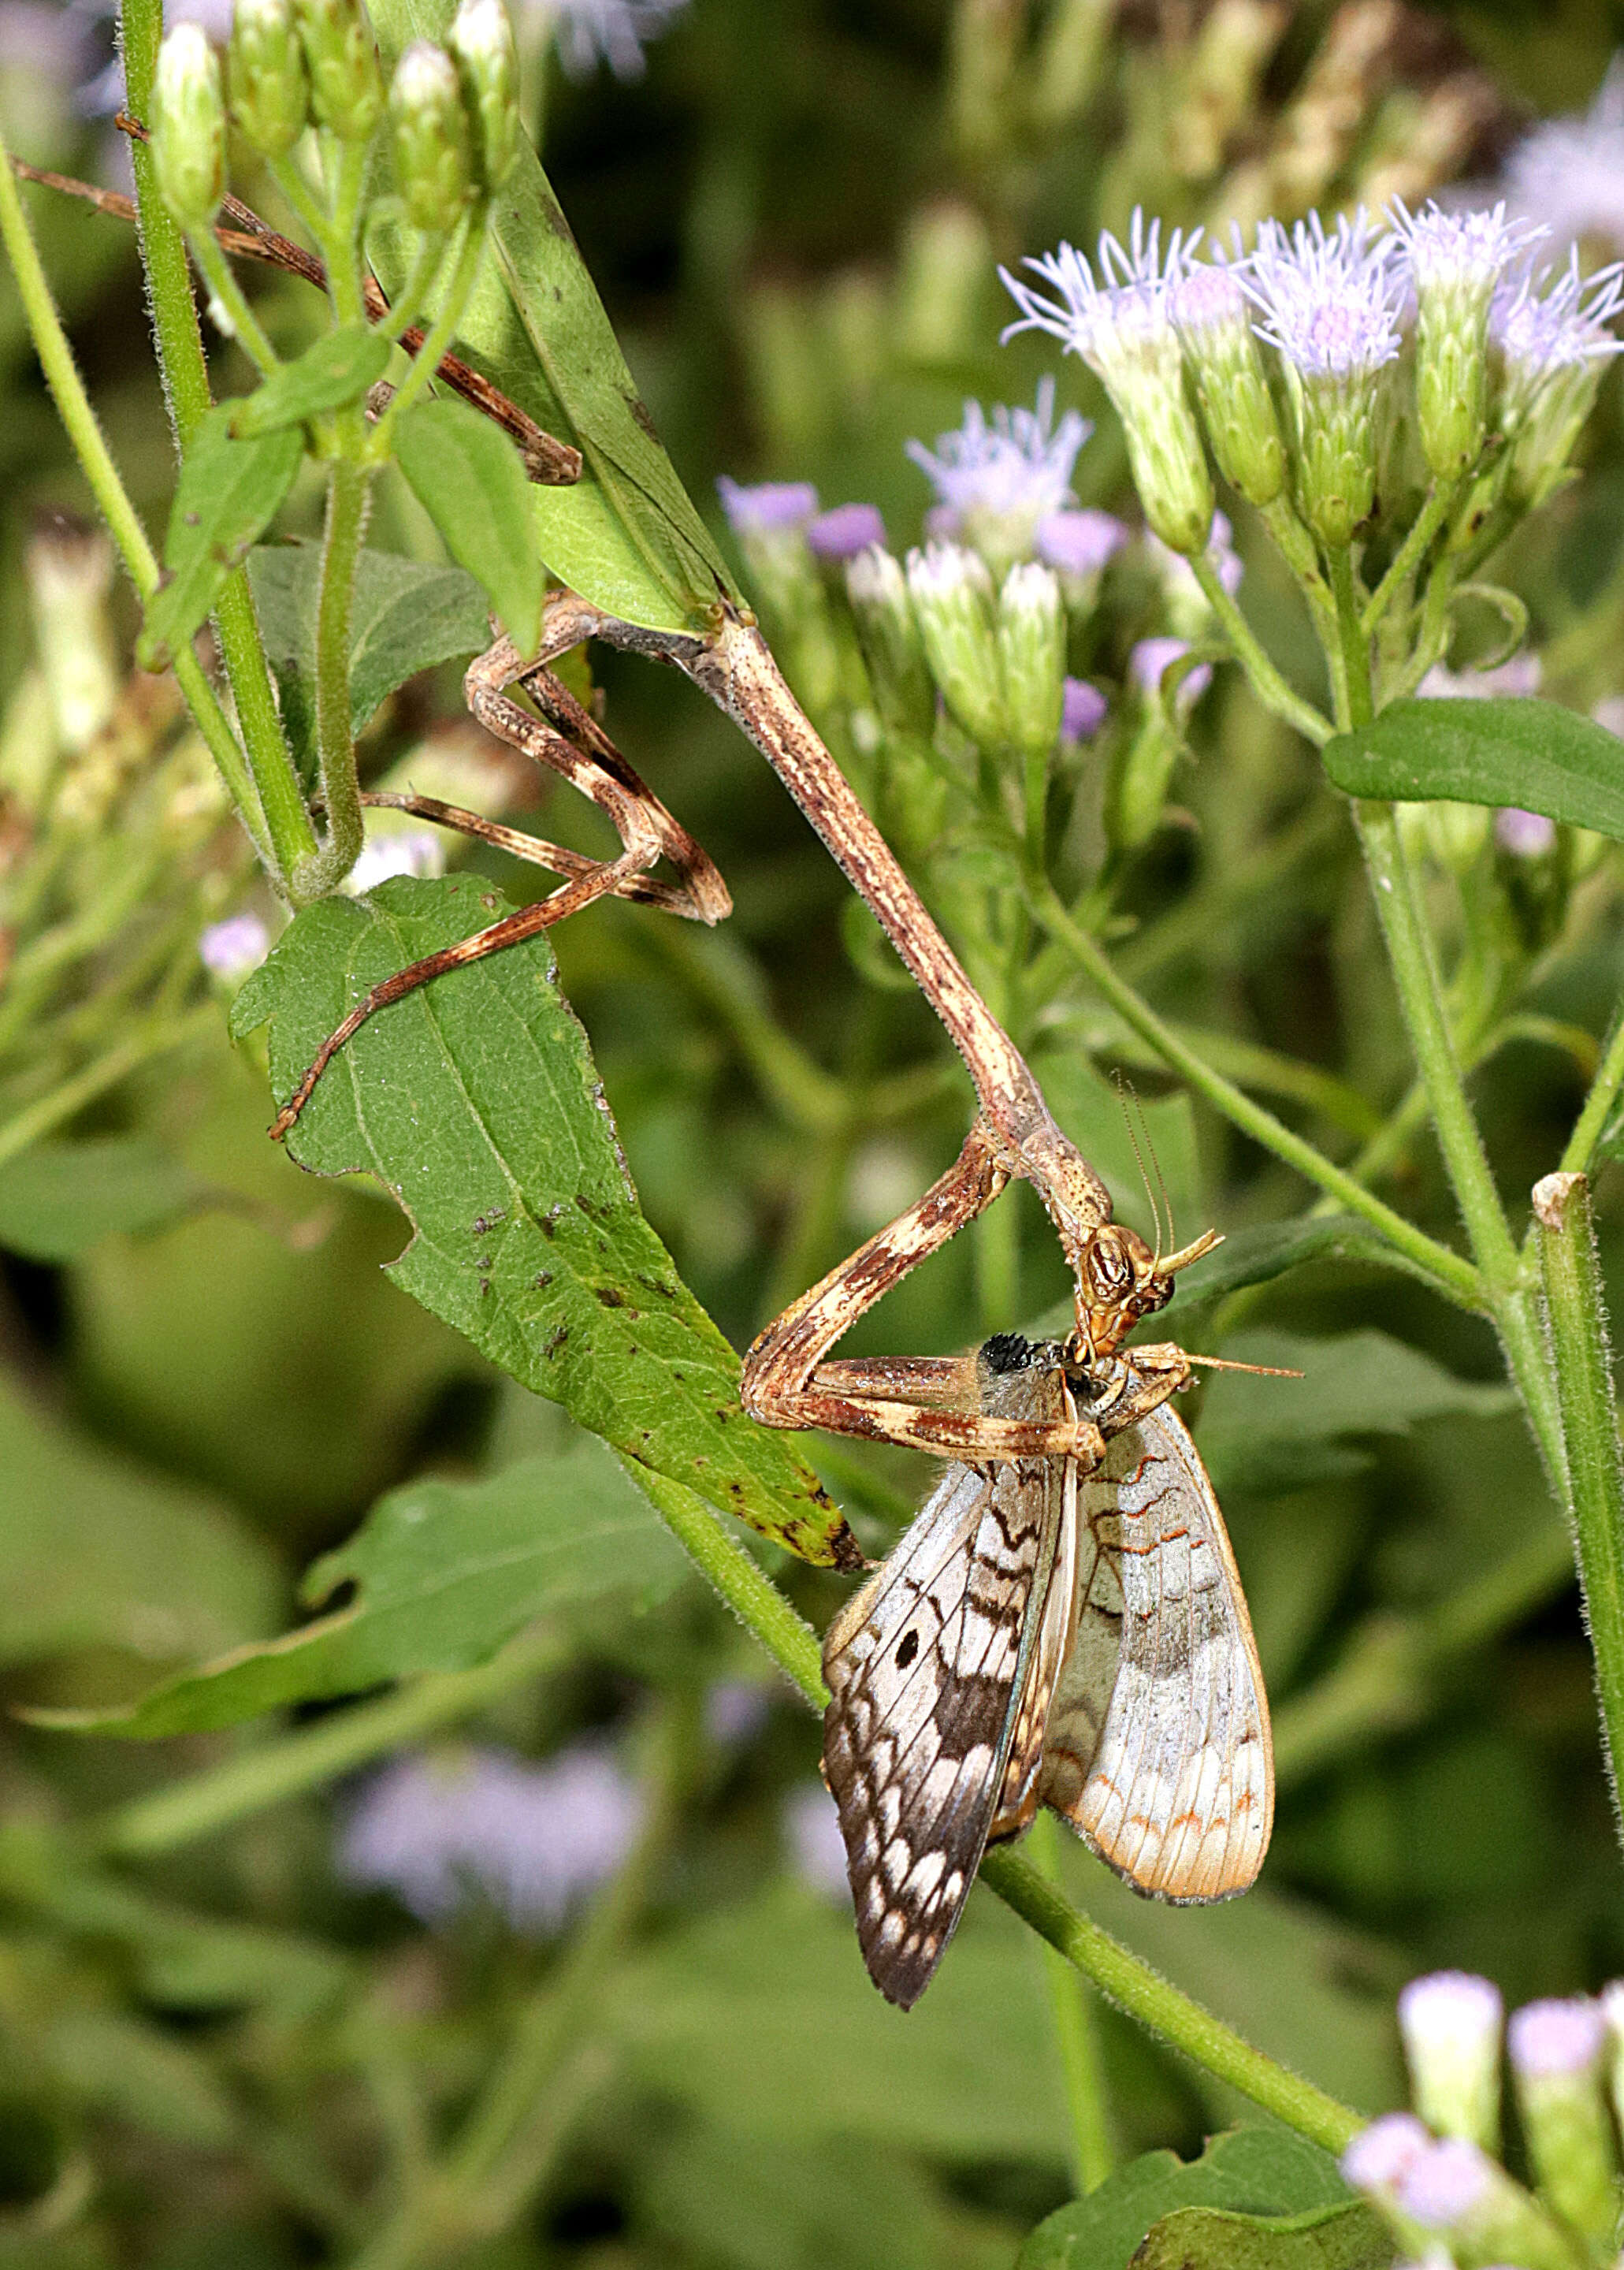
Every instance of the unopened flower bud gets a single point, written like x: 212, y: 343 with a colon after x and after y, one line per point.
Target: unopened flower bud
x: 1031, y: 637
x: 347, y: 89
x: 1451, y: 2022
x: 481, y: 40
x: 188, y: 127
x: 69, y: 576
x: 888, y: 633
x: 1556, y: 2050
x: 1454, y: 2192
x: 1212, y: 317
x: 1140, y: 790
x: 952, y: 599
x: 270, y: 85
x: 1456, y: 260
x: 429, y: 138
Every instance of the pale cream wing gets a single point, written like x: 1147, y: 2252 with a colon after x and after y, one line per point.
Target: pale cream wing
x: 923, y: 1666
x: 1158, y: 1751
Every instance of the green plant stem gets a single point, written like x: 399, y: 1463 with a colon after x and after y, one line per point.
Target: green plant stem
x: 1577, y: 1322
x: 1451, y: 1275
x: 468, y: 250
x: 290, y: 180
x: 341, y: 545
x: 344, y: 165
x: 274, y: 813
x: 1438, y: 505
x: 1076, y: 2037
x: 1264, y: 680
x: 151, y: 1038
x: 1598, y: 1104
x: 404, y: 311
x: 1353, y: 652
x: 207, y: 1803
x: 240, y: 322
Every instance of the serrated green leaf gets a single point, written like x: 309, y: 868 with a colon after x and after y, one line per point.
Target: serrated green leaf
x: 407, y: 616
x: 626, y: 535
x: 471, y: 480
x: 1351, y: 2237
x: 1533, y: 754
x: 1249, y: 2171
x: 476, y: 1103
x: 226, y: 497
x: 444, y: 1573
x: 59, y: 1200
x: 337, y: 370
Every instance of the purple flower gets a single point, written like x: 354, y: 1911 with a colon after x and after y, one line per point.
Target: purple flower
x: 534, y: 1839
x: 1454, y: 2008
x: 1079, y: 543
x: 848, y: 529
x: 1330, y: 301
x: 1553, y: 2036
x: 1083, y: 710
x: 1544, y: 328
x: 768, y: 507
x: 1524, y: 835
x: 1379, y: 2154
x: 1441, y: 2186
x: 1465, y: 252
x: 1152, y: 656
x: 811, y: 1826
x: 735, y: 1710
x: 1570, y: 171
x: 1015, y: 466
x: 1518, y: 678
x: 615, y: 32
x: 229, y: 949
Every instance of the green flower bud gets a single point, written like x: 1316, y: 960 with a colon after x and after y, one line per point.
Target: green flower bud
x: 1212, y: 320
x: 429, y: 137
x: 346, y: 88
x: 1556, y: 2051
x: 1456, y: 260
x: 952, y: 599
x: 270, y: 85
x: 888, y: 634
x: 481, y: 40
x: 1031, y: 639
x: 188, y: 127
x: 1451, y: 2022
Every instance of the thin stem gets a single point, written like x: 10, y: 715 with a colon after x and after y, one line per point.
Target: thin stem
x: 1264, y: 680
x: 1354, y: 647
x: 224, y: 746
x: 468, y: 250
x: 403, y: 313
x: 1577, y: 1322
x: 1450, y: 1275
x: 345, y: 165
x: 1076, y: 2036
x: 149, y: 1040
x: 1598, y: 1104
x: 236, y: 317
x: 1438, y: 505
x: 207, y: 1803
x: 346, y: 520
x: 290, y: 180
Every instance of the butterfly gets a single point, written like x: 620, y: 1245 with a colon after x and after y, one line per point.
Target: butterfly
x: 1049, y: 1634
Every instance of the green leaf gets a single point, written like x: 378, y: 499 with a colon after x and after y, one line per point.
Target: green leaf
x: 477, y: 1101
x: 59, y: 1200
x: 130, y: 2068
x: 1283, y: 1434
x: 407, y: 616
x: 443, y: 1573
x: 1251, y: 2170
x: 471, y: 480
x: 1267, y: 1249
x: 626, y: 535
x: 337, y: 370
x: 1533, y: 754
x: 226, y: 496
x: 96, y: 1553
x: 1351, y: 2237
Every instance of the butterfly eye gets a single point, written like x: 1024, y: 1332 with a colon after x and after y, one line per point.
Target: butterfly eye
x: 908, y: 1651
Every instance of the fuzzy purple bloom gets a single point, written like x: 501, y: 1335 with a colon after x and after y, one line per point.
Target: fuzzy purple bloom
x: 1554, y: 2036
x: 1524, y: 835
x: 1568, y: 172
x: 1331, y: 299
x: 817, y: 1848
x: 614, y: 32
x: 1152, y: 656
x: 1379, y: 2154
x: 1079, y: 543
x: 1083, y: 710
x: 1455, y: 2004
x: 1543, y: 328
x: 1468, y: 251
x: 845, y: 530
x: 231, y: 948
x: 1096, y: 317
x: 735, y: 1710
x: 767, y: 508
x: 1441, y: 2186
x: 1016, y: 464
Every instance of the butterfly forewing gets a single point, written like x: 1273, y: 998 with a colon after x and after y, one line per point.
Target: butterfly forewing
x: 1158, y: 1750
x: 935, y: 1669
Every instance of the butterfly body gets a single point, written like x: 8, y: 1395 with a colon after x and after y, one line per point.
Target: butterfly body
x: 1049, y: 1634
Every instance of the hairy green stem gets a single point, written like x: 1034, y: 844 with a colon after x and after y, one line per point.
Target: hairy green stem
x: 1353, y: 652
x: 1438, y: 505
x: 1076, y: 2037
x: 468, y: 250
x: 1577, y: 1322
x: 1451, y: 1275
x: 346, y: 522
x: 1598, y: 1104
x: 1264, y: 680
x: 403, y: 313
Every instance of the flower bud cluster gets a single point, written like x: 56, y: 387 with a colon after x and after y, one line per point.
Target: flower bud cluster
x: 1434, y: 2178
x: 451, y: 112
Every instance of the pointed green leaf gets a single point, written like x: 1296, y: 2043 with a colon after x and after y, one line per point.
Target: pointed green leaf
x: 59, y: 1200
x: 477, y: 1101
x: 626, y: 535
x: 1531, y: 754
x: 337, y: 370
x: 226, y: 497
x: 1351, y: 2238
x: 443, y: 1574
x: 471, y: 480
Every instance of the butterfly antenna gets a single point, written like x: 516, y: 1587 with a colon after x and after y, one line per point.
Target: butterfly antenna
x: 1131, y: 1104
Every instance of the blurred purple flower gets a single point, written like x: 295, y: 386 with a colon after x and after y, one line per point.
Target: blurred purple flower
x: 1568, y: 172
x: 845, y: 530
x: 1555, y: 2036
x: 816, y: 1849
x: 1083, y: 710
x: 1180, y: 577
x: 1079, y: 543
x: 534, y: 1839
x: 399, y: 851
x: 1524, y: 835
x: 1516, y: 678
x: 615, y: 32
x: 1152, y: 656
x: 735, y: 1710
x: 1467, y: 252
x: 1379, y: 2154
x: 1544, y: 328
x: 1441, y: 2185
x: 1011, y: 467
x: 230, y: 949
x: 769, y: 507
x: 100, y: 96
